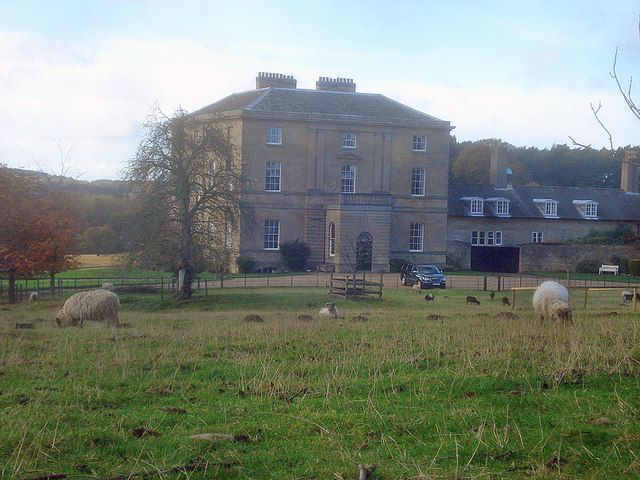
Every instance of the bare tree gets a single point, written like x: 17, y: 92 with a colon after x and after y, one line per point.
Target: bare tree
x: 186, y: 177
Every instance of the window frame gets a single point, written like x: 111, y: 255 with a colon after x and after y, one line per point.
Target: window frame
x: 416, y: 237
x: 349, y: 181
x: 502, y: 207
x: 419, y: 140
x: 269, y: 235
x: 550, y: 208
x: 474, y: 203
x: 537, y: 237
x: 271, y: 136
x: 498, y: 238
x: 269, y: 170
x: 345, y: 140
x: 419, y: 181
x: 588, y: 206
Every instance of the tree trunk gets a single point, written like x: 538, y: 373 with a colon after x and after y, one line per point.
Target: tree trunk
x: 52, y: 283
x: 12, y: 287
x: 185, y: 253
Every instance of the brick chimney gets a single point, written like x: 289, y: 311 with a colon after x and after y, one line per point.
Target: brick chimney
x: 630, y: 172
x: 329, y: 84
x: 499, y: 174
x: 276, y: 80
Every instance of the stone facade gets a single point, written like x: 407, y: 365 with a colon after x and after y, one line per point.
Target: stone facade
x: 560, y: 258
x: 311, y: 158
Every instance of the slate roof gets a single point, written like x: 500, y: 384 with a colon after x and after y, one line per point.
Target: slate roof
x: 359, y: 106
x: 613, y: 203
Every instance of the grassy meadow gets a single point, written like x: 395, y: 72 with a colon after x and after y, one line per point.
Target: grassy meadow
x: 462, y: 395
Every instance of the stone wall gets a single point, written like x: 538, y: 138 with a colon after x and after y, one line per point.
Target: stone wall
x: 458, y: 255
x: 561, y: 257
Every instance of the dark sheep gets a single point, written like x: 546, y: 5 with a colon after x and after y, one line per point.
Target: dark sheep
x: 505, y: 301
x: 429, y: 297
x: 473, y: 300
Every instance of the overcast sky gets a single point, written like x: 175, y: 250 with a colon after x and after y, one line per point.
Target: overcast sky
x: 85, y: 73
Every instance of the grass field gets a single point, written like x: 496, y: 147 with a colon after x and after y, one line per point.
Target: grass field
x: 463, y: 396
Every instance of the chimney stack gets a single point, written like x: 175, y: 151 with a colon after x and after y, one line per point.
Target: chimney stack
x: 630, y: 172
x: 276, y: 80
x: 329, y: 84
x: 499, y: 174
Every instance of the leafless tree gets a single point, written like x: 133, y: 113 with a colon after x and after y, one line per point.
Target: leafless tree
x: 188, y: 181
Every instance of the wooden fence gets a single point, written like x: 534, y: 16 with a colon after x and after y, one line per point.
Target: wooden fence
x: 352, y: 286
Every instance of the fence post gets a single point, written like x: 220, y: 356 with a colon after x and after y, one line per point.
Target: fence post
x: 381, y: 281
x: 635, y: 297
x: 267, y: 278
x: 485, y: 283
x: 513, y: 299
x: 222, y: 280
x: 206, y: 287
x: 245, y: 279
x: 161, y: 288
x: 292, y: 279
x: 586, y: 297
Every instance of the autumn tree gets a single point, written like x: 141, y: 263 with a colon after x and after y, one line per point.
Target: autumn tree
x: 54, y: 248
x: 188, y: 182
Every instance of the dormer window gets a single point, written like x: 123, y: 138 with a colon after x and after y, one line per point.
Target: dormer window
x: 551, y: 209
x: 500, y: 206
x: 475, y: 205
x: 587, y: 208
x: 548, y: 207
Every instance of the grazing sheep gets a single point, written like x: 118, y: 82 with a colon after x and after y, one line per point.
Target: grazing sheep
x: 95, y: 305
x: 473, y: 300
x: 492, y: 294
x: 107, y: 286
x: 627, y: 296
x: 329, y: 310
x: 253, y: 318
x: 429, y: 297
x: 551, y: 302
x: 33, y: 296
x: 304, y: 318
x: 505, y: 301
x: 416, y: 288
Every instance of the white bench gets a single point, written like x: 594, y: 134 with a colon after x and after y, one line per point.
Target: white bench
x: 608, y: 269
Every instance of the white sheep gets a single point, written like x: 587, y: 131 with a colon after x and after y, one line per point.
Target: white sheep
x: 551, y: 302
x: 416, y: 288
x: 33, y: 296
x: 96, y: 305
x: 329, y: 310
x: 107, y: 286
x: 627, y: 296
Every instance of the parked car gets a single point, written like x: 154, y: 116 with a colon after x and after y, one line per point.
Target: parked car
x: 429, y: 276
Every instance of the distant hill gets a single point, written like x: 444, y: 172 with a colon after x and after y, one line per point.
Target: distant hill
x: 94, y: 187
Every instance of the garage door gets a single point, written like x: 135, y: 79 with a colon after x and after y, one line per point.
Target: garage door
x: 495, y: 259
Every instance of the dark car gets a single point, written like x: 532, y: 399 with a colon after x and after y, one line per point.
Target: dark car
x: 428, y: 275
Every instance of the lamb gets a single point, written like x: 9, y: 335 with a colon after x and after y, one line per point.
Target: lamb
x: 33, y: 296
x: 329, y: 310
x: 416, y: 288
x: 627, y: 296
x: 107, y: 286
x: 429, y: 297
x: 492, y: 294
x: 96, y: 305
x: 505, y: 301
x: 551, y: 302
x: 473, y: 300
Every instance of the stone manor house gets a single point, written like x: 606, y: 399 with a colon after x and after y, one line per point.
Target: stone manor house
x: 359, y: 177
x: 363, y: 179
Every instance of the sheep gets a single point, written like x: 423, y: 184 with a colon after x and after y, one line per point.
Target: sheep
x: 473, y: 300
x: 33, y: 296
x: 329, y: 310
x: 627, y: 296
x: 492, y: 294
x: 416, y: 288
x: 97, y: 305
x: 429, y: 297
x: 107, y: 286
x: 551, y: 302
x: 505, y: 301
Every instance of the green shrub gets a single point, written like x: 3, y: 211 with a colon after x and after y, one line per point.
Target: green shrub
x: 295, y: 255
x: 623, y: 263
x: 634, y: 267
x: 621, y: 234
x: 588, y: 265
x: 246, y: 264
x: 395, y: 264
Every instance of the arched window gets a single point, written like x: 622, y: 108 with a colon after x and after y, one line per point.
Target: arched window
x: 332, y: 239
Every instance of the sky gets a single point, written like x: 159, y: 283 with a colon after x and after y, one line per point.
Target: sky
x: 80, y: 77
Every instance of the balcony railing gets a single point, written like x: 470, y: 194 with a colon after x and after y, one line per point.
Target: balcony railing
x: 377, y: 199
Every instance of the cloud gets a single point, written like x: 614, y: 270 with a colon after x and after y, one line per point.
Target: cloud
x: 96, y: 94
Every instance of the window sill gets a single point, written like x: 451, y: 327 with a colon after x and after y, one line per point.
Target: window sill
x: 272, y: 249
x: 274, y: 144
x: 273, y: 191
x: 418, y: 195
x: 416, y: 251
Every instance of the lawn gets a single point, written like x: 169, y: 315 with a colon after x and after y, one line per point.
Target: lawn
x: 462, y: 396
